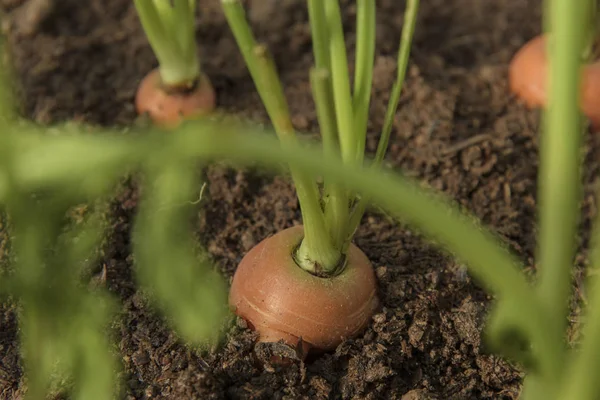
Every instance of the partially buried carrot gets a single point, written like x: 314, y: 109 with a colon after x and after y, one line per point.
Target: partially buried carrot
x: 169, y: 105
x: 528, y: 75
x: 309, y: 286
x: 178, y: 89
x: 285, y: 302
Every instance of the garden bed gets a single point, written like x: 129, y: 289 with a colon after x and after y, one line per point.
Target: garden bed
x: 457, y: 130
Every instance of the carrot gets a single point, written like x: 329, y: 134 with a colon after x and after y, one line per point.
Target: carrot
x: 168, y: 106
x: 309, y: 286
x: 177, y: 89
x: 528, y: 74
x: 282, y: 301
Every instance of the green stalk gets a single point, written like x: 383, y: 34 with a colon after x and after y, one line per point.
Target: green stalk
x: 337, y: 208
x: 580, y: 379
x: 341, y: 82
x: 317, y: 253
x: 432, y: 213
x: 591, y: 29
x: 363, y: 73
x: 336, y: 199
x: 184, y: 30
x: 336, y: 204
x: 320, y: 35
x: 487, y: 261
x: 560, y: 180
x: 320, y: 84
x: 408, y: 29
x: 164, y: 9
x: 164, y: 28
x: 560, y: 161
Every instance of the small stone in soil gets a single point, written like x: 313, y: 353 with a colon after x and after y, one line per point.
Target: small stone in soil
x: 278, y: 353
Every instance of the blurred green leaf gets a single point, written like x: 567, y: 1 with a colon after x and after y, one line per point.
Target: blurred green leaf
x: 63, y: 325
x: 189, y: 291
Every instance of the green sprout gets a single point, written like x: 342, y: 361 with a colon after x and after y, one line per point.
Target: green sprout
x: 329, y: 220
x: 170, y: 28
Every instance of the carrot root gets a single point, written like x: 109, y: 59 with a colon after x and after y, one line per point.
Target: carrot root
x: 281, y: 301
x: 528, y: 75
x: 168, y: 107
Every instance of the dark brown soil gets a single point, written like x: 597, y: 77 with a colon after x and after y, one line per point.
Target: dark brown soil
x: 458, y: 130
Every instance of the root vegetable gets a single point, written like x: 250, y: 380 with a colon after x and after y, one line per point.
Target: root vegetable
x: 168, y: 106
x: 309, y: 286
x: 528, y: 76
x: 178, y: 89
x: 282, y: 301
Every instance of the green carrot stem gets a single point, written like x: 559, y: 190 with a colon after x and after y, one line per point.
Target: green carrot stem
x: 580, y: 379
x: 336, y: 199
x: 316, y: 253
x: 320, y: 34
x: 560, y: 160
x: 184, y: 30
x: 341, y: 82
x: 336, y: 205
x: 560, y: 188
x: 408, y: 29
x: 164, y: 27
x: 363, y: 74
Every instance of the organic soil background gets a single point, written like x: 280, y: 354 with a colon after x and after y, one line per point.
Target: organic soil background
x: 457, y: 129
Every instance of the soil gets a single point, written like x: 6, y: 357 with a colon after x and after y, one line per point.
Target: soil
x: 457, y: 130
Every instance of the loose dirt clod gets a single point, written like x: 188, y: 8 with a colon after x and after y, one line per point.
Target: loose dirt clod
x: 27, y: 19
